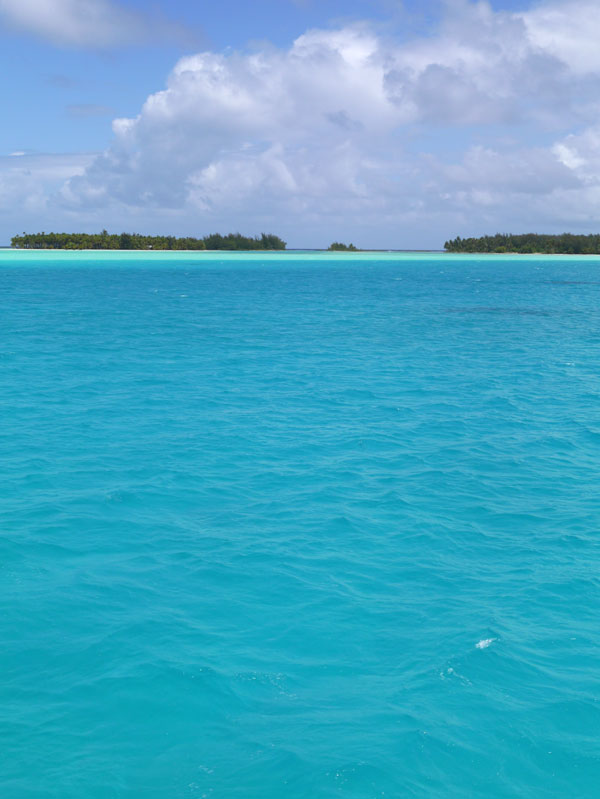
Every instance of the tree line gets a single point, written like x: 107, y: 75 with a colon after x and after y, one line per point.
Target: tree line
x: 563, y: 244
x: 338, y: 246
x: 136, y: 241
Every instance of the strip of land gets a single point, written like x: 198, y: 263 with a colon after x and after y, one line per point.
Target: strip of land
x: 136, y: 241
x: 561, y: 244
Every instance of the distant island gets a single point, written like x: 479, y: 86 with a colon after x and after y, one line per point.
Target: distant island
x: 562, y: 244
x: 337, y: 246
x: 135, y: 241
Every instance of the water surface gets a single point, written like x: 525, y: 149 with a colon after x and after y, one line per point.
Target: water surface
x: 299, y: 525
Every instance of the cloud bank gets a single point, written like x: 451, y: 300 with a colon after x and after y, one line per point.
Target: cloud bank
x: 95, y: 24
x: 491, y: 123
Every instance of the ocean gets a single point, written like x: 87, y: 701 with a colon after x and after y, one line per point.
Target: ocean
x: 299, y: 526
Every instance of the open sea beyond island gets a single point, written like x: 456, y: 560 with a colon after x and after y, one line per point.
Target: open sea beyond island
x: 292, y: 526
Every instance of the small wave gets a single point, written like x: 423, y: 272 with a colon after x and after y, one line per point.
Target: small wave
x: 484, y: 643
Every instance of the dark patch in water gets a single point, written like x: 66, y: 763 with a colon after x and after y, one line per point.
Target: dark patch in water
x: 498, y: 310
x: 572, y: 282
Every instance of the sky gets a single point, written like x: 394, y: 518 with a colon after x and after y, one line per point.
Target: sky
x: 386, y: 123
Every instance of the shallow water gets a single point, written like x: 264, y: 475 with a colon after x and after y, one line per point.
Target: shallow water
x: 299, y: 526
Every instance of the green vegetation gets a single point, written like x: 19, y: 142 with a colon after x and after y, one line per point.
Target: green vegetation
x: 337, y: 246
x: 565, y: 243
x: 135, y: 241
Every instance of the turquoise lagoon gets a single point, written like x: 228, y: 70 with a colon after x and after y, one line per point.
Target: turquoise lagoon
x: 299, y: 525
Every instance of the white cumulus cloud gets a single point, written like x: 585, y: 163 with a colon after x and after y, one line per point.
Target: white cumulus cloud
x: 569, y: 30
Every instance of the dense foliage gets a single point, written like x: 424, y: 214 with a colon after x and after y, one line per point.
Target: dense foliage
x: 566, y: 243
x: 135, y: 241
x: 338, y: 246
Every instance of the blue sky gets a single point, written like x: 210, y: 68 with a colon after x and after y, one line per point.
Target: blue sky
x: 392, y: 124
